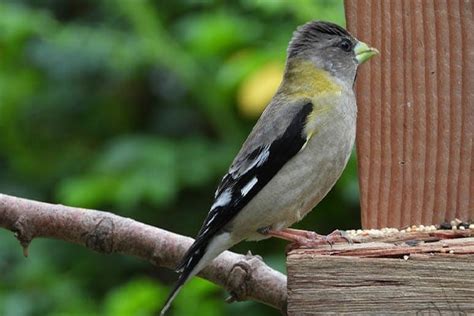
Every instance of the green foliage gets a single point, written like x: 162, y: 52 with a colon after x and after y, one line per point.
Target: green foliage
x: 137, y: 297
x: 130, y: 106
x: 199, y: 297
x: 137, y: 169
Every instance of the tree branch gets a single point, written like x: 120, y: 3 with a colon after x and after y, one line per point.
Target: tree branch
x: 245, y: 277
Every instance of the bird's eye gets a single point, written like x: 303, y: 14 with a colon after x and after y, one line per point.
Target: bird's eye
x: 345, y: 45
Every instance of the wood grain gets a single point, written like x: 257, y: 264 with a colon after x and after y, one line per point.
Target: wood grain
x: 421, y: 285
x: 416, y: 111
x: 385, y: 278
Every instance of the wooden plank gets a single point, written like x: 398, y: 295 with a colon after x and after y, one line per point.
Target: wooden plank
x: 416, y: 111
x: 322, y: 285
x: 385, y: 278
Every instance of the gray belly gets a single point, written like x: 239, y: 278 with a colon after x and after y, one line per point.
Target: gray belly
x: 301, y: 183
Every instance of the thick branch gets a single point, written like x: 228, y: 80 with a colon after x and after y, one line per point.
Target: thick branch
x: 246, y: 277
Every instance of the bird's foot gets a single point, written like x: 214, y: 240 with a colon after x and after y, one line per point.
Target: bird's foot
x: 315, y: 240
x: 307, y: 239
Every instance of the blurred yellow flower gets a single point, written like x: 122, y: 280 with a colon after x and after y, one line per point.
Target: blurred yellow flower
x: 258, y: 88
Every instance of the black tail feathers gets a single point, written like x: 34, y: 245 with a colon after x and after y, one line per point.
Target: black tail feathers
x: 187, y: 266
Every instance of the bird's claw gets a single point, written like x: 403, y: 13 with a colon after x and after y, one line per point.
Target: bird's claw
x: 314, y: 240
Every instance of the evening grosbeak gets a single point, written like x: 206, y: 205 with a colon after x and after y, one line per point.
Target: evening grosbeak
x: 294, y: 154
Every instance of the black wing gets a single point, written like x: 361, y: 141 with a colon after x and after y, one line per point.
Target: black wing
x: 243, y: 182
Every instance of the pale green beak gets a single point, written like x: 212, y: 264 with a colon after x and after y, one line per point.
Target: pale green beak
x: 363, y: 52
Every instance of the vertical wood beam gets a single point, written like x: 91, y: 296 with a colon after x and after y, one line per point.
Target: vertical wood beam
x: 416, y: 111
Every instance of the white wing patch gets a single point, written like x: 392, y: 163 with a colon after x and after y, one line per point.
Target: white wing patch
x: 246, y: 189
x: 237, y: 171
x: 223, y: 199
x: 263, y: 156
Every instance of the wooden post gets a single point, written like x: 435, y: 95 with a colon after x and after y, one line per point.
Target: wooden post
x: 416, y: 111
x: 415, y: 152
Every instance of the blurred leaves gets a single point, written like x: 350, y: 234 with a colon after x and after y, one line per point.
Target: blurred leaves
x: 199, y: 295
x: 137, y: 107
x: 139, y: 168
x: 218, y: 33
x: 142, y: 297
x: 137, y: 297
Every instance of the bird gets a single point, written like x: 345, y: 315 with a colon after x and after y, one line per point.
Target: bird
x: 294, y: 154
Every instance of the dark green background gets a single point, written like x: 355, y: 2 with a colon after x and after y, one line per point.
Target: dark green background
x: 130, y: 107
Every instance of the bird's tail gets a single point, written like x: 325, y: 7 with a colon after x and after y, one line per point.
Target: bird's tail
x: 197, y: 257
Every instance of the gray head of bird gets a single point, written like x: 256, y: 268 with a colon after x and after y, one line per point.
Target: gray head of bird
x: 328, y: 47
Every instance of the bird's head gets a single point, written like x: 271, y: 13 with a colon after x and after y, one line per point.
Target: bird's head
x: 328, y: 47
